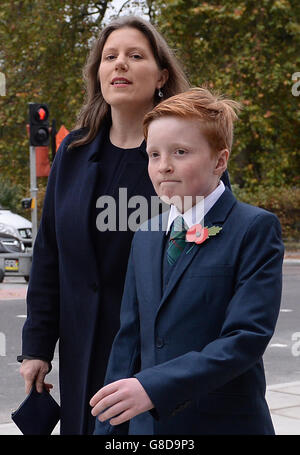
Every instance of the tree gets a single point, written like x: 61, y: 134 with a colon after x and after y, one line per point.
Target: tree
x: 44, y: 45
x: 248, y: 50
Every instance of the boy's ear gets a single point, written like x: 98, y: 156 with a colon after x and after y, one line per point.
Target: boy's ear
x: 222, y: 160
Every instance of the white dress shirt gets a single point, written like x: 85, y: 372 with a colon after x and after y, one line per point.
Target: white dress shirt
x: 196, y: 213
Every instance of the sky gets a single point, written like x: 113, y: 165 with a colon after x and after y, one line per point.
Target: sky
x: 117, y: 4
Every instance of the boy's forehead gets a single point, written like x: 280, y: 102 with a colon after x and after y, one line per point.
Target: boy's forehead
x: 174, y: 127
x: 174, y: 121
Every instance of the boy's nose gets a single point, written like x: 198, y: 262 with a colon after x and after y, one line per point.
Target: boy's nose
x: 165, y: 166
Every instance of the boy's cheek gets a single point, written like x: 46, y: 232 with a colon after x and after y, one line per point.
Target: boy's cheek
x: 152, y: 175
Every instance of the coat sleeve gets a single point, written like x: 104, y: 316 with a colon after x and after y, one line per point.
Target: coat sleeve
x: 41, y: 329
x: 124, y: 357
x: 247, y: 328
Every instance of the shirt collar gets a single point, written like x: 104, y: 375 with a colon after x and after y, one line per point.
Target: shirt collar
x: 196, y: 214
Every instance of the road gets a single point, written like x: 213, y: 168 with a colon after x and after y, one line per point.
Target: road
x: 282, y: 357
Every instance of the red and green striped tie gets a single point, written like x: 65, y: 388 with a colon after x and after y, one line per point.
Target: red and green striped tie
x: 177, y: 240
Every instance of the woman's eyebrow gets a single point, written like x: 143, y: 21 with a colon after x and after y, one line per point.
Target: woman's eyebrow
x: 132, y: 48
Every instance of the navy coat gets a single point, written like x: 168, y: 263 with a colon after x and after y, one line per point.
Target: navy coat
x: 64, y: 294
x: 197, y: 346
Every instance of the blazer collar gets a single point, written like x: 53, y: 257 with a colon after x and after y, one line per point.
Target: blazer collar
x: 221, y: 209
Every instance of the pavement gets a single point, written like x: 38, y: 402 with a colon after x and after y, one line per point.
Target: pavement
x: 283, y: 399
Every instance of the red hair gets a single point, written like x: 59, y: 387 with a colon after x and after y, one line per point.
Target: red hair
x: 216, y: 115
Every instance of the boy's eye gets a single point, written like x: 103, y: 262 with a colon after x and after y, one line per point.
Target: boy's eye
x: 136, y: 56
x: 180, y: 152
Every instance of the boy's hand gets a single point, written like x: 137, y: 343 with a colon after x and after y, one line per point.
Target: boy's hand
x: 126, y: 397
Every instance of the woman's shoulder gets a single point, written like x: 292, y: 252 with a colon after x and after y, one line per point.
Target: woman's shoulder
x: 74, y: 135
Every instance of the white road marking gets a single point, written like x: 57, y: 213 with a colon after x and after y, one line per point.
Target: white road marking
x: 278, y: 345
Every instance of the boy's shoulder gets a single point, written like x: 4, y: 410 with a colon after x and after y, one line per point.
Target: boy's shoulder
x: 242, y: 215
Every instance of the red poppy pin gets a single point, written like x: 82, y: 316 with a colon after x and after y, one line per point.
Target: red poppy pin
x: 198, y: 234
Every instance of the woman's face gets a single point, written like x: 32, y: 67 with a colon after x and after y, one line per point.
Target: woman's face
x: 128, y: 72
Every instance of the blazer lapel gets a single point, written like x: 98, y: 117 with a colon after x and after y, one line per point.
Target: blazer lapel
x: 156, y: 251
x: 218, y: 214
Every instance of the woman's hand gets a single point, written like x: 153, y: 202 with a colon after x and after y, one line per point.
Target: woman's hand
x: 34, y: 371
x: 125, y: 398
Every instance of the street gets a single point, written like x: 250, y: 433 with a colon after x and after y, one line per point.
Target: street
x: 282, y: 357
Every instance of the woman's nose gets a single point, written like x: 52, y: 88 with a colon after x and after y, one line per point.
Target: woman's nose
x: 121, y: 63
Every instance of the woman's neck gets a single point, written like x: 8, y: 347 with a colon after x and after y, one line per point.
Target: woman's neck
x: 127, y: 128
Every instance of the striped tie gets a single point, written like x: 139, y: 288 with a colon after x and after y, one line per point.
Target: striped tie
x: 177, y: 240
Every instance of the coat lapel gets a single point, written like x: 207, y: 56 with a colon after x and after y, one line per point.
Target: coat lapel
x: 217, y: 215
x: 90, y: 171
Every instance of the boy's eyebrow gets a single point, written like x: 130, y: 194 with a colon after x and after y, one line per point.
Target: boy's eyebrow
x: 175, y: 144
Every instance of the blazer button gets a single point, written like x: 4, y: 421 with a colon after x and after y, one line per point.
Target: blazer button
x: 159, y: 343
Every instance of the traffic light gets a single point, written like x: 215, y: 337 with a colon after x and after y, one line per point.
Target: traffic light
x: 28, y: 203
x: 39, y: 124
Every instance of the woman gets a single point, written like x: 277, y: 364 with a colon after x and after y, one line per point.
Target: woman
x: 78, y: 272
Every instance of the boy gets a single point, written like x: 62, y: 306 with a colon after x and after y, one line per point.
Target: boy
x: 200, y: 307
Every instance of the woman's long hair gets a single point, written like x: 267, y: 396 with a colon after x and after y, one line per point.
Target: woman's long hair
x: 95, y: 109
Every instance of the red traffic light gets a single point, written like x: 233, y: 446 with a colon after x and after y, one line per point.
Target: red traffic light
x: 42, y: 113
x: 39, y: 124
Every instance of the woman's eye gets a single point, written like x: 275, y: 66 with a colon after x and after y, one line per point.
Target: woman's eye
x: 109, y: 57
x: 136, y: 56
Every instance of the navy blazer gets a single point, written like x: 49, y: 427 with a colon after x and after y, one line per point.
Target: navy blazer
x: 197, y: 347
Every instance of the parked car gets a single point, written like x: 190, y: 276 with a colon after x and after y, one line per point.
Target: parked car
x: 13, y: 259
x: 16, y: 226
x: 11, y: 244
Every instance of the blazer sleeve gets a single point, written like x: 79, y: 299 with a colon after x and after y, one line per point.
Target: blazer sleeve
x: 248, y: 326
x: 124, y: 358
x: 41, y: 329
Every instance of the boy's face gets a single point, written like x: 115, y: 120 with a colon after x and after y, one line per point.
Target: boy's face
x: 181, y: 162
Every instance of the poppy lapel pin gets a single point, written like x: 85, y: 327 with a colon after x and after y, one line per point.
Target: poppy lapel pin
x: 198, y: 234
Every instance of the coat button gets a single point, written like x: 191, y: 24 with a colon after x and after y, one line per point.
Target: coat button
x: 159, y: 343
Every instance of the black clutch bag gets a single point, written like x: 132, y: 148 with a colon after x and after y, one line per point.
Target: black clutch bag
x: 37, y: 414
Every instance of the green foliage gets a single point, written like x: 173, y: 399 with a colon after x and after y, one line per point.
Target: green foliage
x: 44, y: 45
x: 283, y: 201
x: 249, y: 51
x: 10, y: 195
